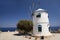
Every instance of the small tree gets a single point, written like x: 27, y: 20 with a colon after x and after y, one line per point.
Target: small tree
x: 25, y: 26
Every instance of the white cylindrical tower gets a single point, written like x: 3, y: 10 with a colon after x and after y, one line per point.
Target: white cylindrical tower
x: 40, y: 23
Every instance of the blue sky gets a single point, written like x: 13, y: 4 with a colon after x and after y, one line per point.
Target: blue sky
x: 11, y: 11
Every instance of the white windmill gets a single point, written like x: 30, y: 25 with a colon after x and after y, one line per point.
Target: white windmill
x: 40, y: 22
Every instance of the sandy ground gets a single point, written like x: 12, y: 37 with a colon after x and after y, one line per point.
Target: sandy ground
x: 12, y: 36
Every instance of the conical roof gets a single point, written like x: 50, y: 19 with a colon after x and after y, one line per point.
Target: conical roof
x: 40, y: 10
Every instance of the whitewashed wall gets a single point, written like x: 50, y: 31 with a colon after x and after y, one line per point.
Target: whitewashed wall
x: 43, y: 21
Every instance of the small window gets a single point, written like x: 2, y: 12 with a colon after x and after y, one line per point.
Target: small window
x: 39, y: 28
x: 39, y: 15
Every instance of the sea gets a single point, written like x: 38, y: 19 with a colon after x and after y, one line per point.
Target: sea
x: 6, y: 29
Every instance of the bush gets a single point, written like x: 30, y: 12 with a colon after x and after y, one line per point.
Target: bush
x: 25, y: 25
